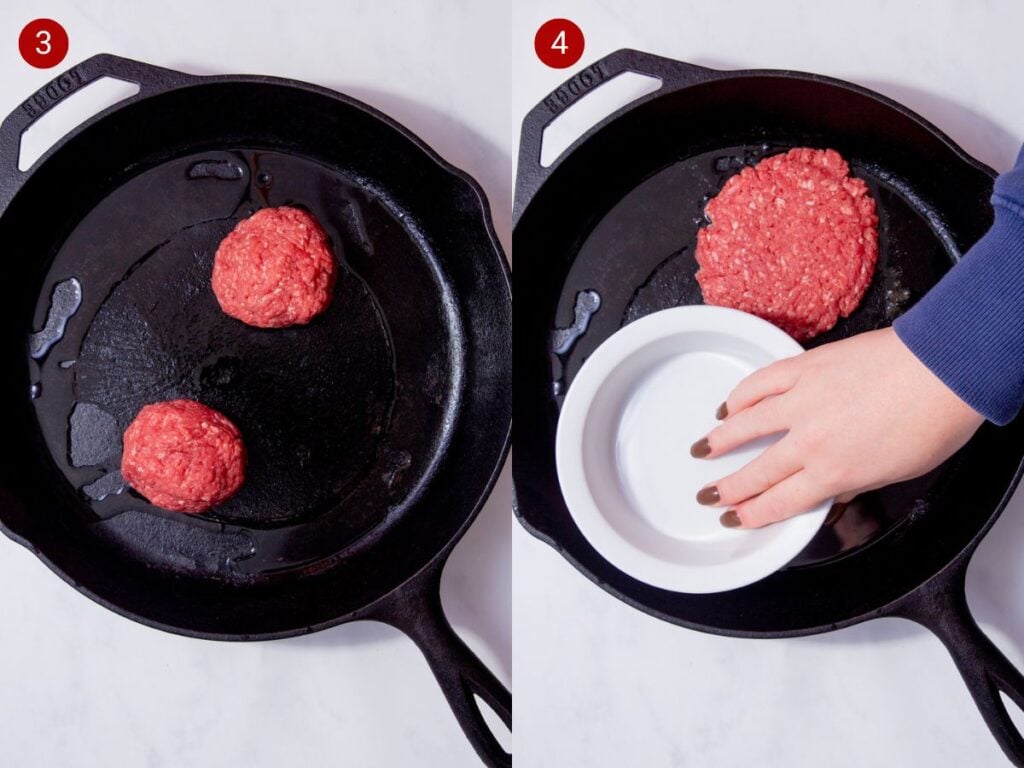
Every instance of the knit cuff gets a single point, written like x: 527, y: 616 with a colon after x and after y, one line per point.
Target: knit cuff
x: 969, y: 329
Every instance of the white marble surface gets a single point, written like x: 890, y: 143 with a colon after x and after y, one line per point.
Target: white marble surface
x: 596, y: 683
x: 83, y: 687
x: 599, y: 684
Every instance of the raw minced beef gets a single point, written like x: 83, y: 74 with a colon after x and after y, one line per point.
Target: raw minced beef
x: 275, y: 269
x: 793, y: 240
x: 183, y: 456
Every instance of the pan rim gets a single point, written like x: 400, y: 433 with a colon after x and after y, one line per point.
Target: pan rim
x: 715, y: 75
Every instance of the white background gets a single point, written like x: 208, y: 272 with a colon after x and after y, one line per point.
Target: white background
x: 596, y: 683
x: 81, y: 687
x: 600, y: 684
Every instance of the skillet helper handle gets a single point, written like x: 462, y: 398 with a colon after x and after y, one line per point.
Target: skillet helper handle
x: 415, y: 609
x: 941, y: 607
x: 674, y: 75
x: 150, y: 79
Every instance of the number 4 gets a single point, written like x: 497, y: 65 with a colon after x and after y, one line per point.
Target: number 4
x: 559, y: 44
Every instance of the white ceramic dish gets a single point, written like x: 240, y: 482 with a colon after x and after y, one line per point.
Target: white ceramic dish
x: 623, y: 450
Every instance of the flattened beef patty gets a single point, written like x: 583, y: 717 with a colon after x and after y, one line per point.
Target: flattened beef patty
x: 793, y: 240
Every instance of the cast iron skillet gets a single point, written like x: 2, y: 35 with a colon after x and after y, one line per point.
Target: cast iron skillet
x: 613, y: 222
x: 374, y: 434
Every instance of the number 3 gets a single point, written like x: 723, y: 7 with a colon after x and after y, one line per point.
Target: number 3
x: 44, y: 46
x: 559, y: 44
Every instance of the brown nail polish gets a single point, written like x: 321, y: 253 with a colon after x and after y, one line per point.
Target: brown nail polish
x: 730, y: 519
x: 722, y: 412
x: 708, y: 496
x: 700, y: 449
x: 835, y: 513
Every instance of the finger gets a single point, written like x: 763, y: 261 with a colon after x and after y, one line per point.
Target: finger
x: 771, y: 380
x: 765, y: 418
x: 773, y: 466
x: 796, y: 494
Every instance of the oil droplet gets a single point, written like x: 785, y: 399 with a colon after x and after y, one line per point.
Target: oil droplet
x: 587, y: 304
x: 94, y: 436
x: 215, y: 169
x: 397, y: 463
x: 110, y: 484
x: 723, y: 164
x: 353, y: 216
x: 896, y: 299
x: 64, y: 302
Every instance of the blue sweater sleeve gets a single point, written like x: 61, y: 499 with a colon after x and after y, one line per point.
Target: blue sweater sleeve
x: 969, y: 329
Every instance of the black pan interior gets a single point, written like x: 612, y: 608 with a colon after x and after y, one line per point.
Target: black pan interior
x: 316, y: 404
x: 366, y: 430
x: 614, y: 228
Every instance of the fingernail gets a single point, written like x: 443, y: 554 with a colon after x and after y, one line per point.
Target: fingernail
x: 730, y: 519
x: 700, y: 449
x: 722, y: 412
x: 835, y: 513
x: 709, y: 495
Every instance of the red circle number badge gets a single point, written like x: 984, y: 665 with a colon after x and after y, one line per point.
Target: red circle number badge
x: 559, y: 43
x: 43, y: 43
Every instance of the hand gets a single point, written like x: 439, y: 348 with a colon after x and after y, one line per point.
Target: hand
x: 857, y: 414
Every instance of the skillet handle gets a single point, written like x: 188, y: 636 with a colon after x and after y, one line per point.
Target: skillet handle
x: 415, y: 609
x: 150, y: 79
x: 673, y: 74
x: 940, y: 606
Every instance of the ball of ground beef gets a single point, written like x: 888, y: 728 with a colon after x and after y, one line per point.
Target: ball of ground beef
x: 793, y: 240
x: 275, y: 269
x: 183, y: 456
